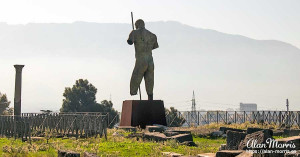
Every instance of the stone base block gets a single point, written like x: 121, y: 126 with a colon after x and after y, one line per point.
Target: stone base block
x: 142, y: 113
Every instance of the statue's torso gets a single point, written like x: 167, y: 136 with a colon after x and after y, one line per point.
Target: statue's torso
x: 144, y: 42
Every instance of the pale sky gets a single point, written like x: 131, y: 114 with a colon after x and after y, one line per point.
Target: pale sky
x: 258, y: 19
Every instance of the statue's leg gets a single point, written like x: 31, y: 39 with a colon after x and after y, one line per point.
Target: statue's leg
x: 137, y: 75
x: 149, y: 80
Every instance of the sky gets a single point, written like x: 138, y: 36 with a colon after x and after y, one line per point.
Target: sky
x: 258, y: 19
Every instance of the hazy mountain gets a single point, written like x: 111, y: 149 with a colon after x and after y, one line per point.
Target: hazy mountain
x: 220, y: 67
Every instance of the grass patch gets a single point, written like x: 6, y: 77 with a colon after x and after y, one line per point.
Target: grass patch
x: 114, y: 146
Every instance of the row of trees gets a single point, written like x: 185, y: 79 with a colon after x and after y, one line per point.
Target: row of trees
x: 81, y: 97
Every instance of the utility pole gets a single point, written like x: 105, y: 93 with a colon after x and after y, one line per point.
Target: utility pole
x: 288, y: 114
x: 193, y: 113
x: 287, y: 105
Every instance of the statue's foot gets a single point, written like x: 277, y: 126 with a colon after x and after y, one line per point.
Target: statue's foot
x: 150, y: 97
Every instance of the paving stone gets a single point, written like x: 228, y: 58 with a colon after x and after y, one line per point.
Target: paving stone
x: 233, y: 139
x: 228, y: 153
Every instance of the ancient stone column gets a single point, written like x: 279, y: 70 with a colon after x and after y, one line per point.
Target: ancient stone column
x: 18, y: 87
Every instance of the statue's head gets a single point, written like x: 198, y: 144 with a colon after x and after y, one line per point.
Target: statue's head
x: 139, y: 24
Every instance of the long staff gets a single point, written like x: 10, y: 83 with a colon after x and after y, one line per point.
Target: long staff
x: 133, y: 42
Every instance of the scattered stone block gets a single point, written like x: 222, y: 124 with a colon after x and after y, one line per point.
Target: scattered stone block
x: 171, y: 154
x: 182, y: 137
x: 155, y: 136
x: 87, y: 154
x: 171, y: 133
x: 224, y: 135
x: 278, y: 133
x: 222, y: 147
x: 128, y: 128
x: 116, y: 134
x: 189, y: 143
x: 217, y: 134
x: 66, y: 153
x: 291, y: 132
x: 181, y: 132
x: 290, y: 140
x: 260, y: 137
x: 233, y: 139
x: 245, y: 154
x: 132, y: 135
x: 225, y: 129
x: 295, y: 154
x: 37, y: 138
x: 229, y: 153
x: 207, y: 155
x: 155, y: 128
x: 253, y: 130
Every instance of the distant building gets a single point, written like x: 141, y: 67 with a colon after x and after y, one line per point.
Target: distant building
x: 248, y: 107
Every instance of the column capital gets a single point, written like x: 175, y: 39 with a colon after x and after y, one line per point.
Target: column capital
x: 19, y: 67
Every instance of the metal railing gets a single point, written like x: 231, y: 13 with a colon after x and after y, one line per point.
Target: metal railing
x: 54, y: 125
x: 206, y: 117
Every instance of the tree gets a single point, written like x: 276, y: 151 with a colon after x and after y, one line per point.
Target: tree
x: 4, y: 104
x: 82, y: 98
x: 174, y: 119
x: 107, y: 106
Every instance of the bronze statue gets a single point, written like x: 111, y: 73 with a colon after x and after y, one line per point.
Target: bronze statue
x: 144, y: 42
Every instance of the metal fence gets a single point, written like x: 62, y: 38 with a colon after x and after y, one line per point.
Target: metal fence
x: 54, y: 125
x: 197, y: 118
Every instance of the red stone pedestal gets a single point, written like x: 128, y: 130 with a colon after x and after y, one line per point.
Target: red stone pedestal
x: 142, y: 113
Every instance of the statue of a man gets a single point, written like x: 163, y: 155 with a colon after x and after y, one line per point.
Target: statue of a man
x: 144, y: 42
